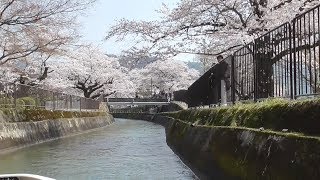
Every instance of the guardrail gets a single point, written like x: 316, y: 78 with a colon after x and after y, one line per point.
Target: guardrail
x: 22, y: 96
x: 137, y: 100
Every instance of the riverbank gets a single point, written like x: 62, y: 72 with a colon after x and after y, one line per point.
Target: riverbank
x: 225, y: 152
x: 37, y: 126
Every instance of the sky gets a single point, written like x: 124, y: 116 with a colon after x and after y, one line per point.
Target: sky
x: 105, y: 13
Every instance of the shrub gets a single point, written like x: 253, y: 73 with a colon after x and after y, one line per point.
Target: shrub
x: 29, y: 102
x: 20, y: 104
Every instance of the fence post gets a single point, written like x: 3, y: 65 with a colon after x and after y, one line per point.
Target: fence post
x: 37, y: 101
x: 70, y: 99
x: 53, y: 101
x: 233, y: 95
x: 293, y: 61
x: 80, y: 104
x: 15, y: 95
x: 255, y: 70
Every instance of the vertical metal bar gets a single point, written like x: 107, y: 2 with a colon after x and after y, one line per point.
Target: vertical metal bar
x: 314, y: 52
x: 280, y: 64
x: 247, y: 56
x: 318, y: 11
x: 272, y: 49
x: 254, y: 66
x: 286, y: 60
x: 310, y: 55
x: 259, y: 59
x: 255, y: 70
x: 240, y: 73
x: 263, y: 61
x: 297, y: 58
x: 249, y: 69
x: 232, y: 80
x: 301, y: 89
x: 292, y: 34
x: 276, y: 75
x: 305, y: 54
x: 266, y: 56
x: 280, y: 67
x: 275, y: 69
x: 297, y: 52
x: 235, y: 65
x: 257, y: 62
x: 252, y: 71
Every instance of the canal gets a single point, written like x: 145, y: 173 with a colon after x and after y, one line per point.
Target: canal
x: 127, y: 149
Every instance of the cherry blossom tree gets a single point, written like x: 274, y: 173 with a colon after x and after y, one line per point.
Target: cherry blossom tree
x: 8, y: 73
x: 207, y: 27
x: 38, y: 27
x: 88, y: 71
x: 163, y: 76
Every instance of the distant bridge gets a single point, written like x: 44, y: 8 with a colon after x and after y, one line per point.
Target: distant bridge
x: 136, y: 101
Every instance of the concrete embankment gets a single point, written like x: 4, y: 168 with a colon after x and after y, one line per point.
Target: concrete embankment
x: 239, y: 153
x: 43, y: 126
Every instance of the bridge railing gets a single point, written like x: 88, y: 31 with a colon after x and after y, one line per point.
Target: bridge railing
x: 284, y: 62
x: 22, y: 96
x: 137, y: 100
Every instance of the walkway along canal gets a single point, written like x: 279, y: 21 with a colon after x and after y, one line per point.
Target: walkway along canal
x: 125, y: 150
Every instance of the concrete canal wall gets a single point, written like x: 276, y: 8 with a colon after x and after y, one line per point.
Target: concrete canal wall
x: 223, y: 152
x: 18, y: 129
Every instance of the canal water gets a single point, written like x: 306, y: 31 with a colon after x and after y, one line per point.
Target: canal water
x: 127, y: 149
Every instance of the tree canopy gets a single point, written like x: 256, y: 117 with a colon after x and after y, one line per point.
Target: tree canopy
x: 41, y: 27
x: 207, y: 27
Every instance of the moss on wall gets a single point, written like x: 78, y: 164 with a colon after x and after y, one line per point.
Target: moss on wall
x: 25, y: 115
x: 242, y: 153
x: 19, y: 134
x: 296, y: 116
x: 231, y: 152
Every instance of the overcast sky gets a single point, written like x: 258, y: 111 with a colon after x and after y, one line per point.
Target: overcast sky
x: 106, y: 12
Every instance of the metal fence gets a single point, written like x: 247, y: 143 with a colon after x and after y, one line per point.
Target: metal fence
x: 306, y: 53
x: 273, y: 63
x: 243, y: 73
x: 281, y: 63
x: 21, y: 96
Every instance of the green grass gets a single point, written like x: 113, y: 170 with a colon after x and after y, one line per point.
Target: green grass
x: 265, y: 131
x: 276, y: 114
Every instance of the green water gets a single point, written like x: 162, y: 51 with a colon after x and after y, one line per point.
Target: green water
x: 125, y: 150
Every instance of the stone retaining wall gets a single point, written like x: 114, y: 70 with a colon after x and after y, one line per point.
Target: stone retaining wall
x: 18, y: 134
x: 240, y: 153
